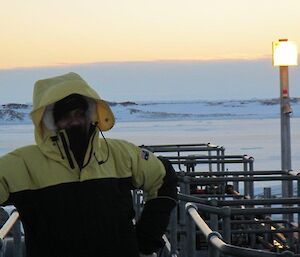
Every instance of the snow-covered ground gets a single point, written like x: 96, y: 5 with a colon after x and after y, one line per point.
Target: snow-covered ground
x: 242, y: 127
x: 188, y: 110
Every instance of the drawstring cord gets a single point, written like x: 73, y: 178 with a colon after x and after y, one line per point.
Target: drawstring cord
x: 107, y: 156
x: 54, y: 140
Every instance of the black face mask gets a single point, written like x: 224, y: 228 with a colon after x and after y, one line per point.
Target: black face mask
x: 67, y: 104
x: 78, y: 138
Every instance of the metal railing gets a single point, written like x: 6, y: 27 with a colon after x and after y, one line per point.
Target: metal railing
x: 218, y: 209
x: 222, y: 206
x: 219, y: 246
x: 9, y: 224
x: 13, y: 246
x: 178, y: 153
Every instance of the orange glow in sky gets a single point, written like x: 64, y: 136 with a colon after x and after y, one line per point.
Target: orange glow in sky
x: 53, y: 32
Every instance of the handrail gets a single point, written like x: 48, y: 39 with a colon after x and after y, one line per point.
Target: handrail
x: 235, y: 173
x: 206, y: 161
x: 293, y: 172
x: 189, y: 198
x: 182, y: 147
x: 205, y: 157
x: 13, y: 218
x: 204, y: 181
x: 215, y: 239
x: 9, y: 224
x: 234, y: 202
x: 168, y: 246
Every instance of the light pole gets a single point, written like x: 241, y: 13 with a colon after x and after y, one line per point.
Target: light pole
x: 284, y: 55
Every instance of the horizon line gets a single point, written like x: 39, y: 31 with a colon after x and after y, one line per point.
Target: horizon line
x: 171, y: 101
x: 63, y: 64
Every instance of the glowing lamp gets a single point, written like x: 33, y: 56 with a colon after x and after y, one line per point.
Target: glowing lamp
x: 284, y: 53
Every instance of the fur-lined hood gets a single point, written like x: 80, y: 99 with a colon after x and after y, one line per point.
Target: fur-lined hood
x: 49, y: 91
x: 48, y: 116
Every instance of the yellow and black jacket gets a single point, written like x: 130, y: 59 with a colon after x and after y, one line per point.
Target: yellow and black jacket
x: 87, y: 211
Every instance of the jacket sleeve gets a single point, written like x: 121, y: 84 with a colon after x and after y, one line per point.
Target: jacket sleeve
x: 7, y: 162
x: 158, y: 180
x: 3, y: 190
x: 12, y: 176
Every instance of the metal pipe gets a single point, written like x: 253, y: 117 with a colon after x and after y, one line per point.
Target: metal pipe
x: 240, y: 173
x: 285, y: 111
x: 214, y: 222
x: 251, y: 168
x: 226, y: 224
x: 204, y: 181
x: 222, y: 163
x: 246, y: 183
x: 249, y: 211
x: 9, y: 224
x: 285, y: 125
x: 182, y: 223
x: 267, y: 195
x: 196, y: 199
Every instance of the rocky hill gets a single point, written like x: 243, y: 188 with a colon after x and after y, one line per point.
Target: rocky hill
x: 14, y: 112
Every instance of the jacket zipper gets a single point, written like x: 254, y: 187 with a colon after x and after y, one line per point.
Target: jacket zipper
x: 65, y: 145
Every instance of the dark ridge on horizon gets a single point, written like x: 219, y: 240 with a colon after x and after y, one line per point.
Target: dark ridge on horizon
x: 265, y: 101
x: 171, y: 110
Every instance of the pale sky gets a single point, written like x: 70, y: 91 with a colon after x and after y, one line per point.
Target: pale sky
x: 156, y: 81
x: 148, y: 49
x: 54, y: 32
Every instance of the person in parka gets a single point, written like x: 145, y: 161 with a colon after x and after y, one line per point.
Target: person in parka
x: 73, y: 189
